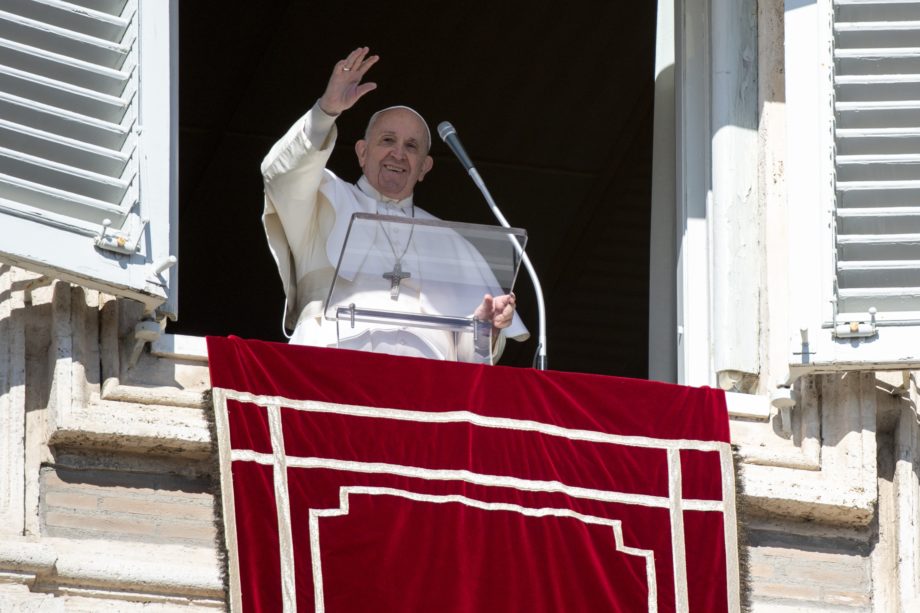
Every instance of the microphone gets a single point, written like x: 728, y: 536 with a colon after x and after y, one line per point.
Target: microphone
x: 449, y: 135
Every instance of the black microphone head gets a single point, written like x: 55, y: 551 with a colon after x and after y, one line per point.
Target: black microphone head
x: 445, y: 130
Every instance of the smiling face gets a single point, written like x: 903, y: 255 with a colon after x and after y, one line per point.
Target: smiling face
x: 394, y: 153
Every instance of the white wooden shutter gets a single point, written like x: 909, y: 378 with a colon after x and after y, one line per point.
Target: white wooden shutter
x: 877, y: 117
x: 88, y: 143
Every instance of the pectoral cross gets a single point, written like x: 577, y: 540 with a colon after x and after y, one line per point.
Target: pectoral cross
x: 395, y: 277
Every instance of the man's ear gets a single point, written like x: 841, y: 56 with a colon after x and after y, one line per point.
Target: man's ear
x: 426, y: 166
x: 361, y: 151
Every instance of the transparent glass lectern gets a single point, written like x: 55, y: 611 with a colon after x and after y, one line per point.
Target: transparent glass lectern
x: 410, y: 286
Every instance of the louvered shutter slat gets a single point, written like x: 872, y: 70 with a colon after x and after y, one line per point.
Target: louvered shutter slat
x: 69, y: 178
x: 881, y: 167
x: 79, y: 127
x: 882, y: 274
x: 61, y: 149
x: 112, y: 7
x: 58, y: 67
x: 70, y: 16
x: 877, y: 162
x: 871, y: 193
x: 65, y: 96
x: 878, y: 61
x: 871, y: 88
x: 54, y: 203
x: 875, y: 115
x: 865, y: 141
x: 72, y: 44
x: 876, y: 11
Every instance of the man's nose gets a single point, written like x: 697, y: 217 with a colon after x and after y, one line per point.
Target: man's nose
x: 399, y: 151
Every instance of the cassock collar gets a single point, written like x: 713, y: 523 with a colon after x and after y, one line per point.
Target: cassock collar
x: 365, y: 186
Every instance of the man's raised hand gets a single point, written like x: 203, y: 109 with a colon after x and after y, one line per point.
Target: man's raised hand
x: 345, y: 87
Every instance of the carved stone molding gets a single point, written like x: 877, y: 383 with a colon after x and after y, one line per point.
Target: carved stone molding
x: 827, y: 470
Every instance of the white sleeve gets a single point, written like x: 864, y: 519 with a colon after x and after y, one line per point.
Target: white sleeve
x: 292, y: 172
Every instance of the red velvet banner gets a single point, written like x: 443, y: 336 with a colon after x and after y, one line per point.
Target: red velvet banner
x: 361, y: 482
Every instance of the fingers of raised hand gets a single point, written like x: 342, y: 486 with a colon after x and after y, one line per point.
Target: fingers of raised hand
x: 354, y: 58
x: 366, y: 64
x: 357, y: 62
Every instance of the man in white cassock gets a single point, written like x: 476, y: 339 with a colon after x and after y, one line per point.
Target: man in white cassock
x: 308, y: 210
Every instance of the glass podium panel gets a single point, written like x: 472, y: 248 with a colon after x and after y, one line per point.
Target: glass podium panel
x: 410, y: 286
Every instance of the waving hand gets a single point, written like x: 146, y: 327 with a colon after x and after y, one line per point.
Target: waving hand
x: 345, y: 87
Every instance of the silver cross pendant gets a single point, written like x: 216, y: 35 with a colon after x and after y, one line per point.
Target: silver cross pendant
x: 395, y: 277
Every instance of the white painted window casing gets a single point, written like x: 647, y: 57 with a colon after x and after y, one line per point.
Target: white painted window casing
x: 694, y: 202
x: 88, y: 133
x: 853, y: 177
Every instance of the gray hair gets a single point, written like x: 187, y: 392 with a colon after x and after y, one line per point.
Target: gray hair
x: 375, y: 116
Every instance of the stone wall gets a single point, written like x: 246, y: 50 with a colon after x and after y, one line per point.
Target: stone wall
x: 88, y: 496
x: 830, y: 506
x: 800, y: 565
x: 106, y: 493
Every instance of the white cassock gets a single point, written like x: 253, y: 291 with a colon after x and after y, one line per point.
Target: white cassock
x: 306, y: 217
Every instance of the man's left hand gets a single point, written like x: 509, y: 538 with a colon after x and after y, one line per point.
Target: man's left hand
x: 499, y: 310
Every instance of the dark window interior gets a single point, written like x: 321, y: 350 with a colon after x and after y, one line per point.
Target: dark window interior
x: 553, y: 102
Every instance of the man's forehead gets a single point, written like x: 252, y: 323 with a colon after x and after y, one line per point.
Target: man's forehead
x: 393, y: 118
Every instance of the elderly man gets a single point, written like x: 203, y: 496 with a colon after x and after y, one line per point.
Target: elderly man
x: 308, y: 209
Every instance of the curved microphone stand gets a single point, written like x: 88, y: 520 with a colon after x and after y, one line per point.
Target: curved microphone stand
x: 449, y: 135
